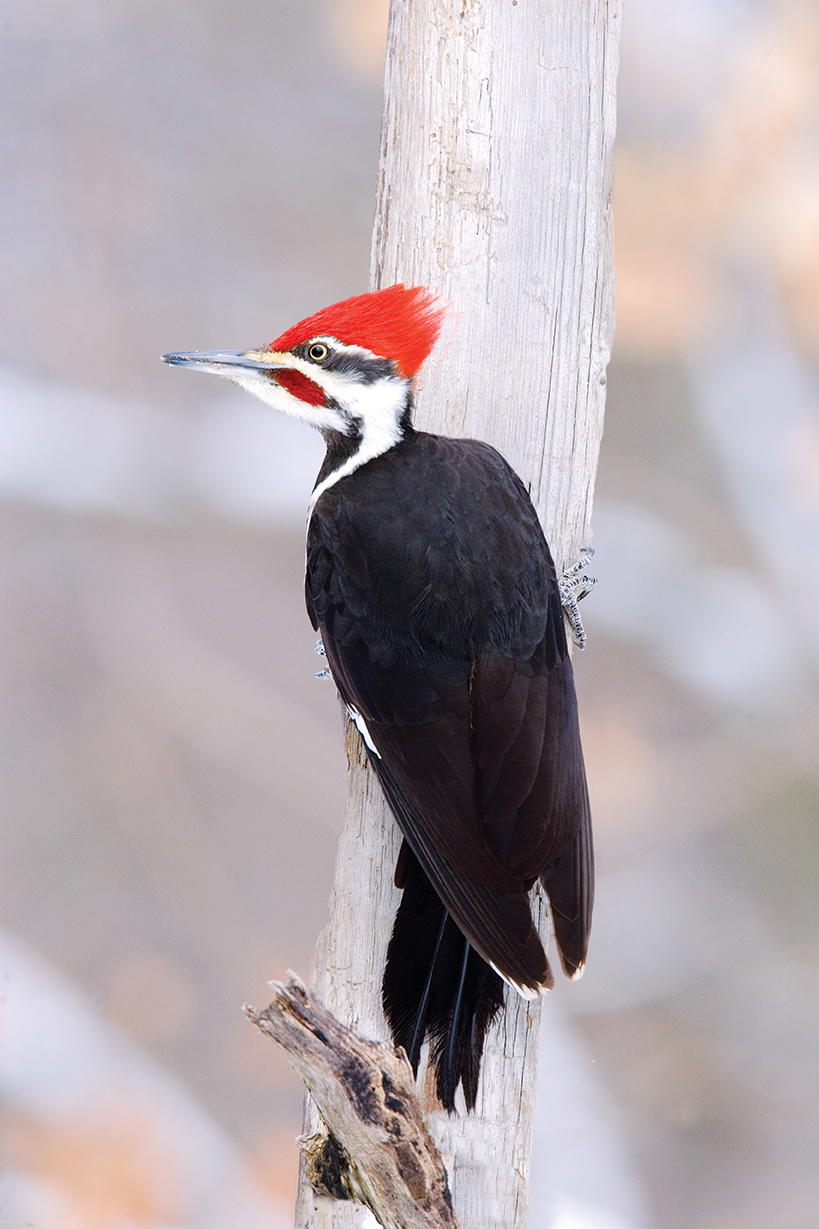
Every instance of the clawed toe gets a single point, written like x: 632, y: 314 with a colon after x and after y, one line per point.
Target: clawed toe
x: 574, y: 585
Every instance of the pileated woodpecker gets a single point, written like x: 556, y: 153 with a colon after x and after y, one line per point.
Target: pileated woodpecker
x: 433, y: 589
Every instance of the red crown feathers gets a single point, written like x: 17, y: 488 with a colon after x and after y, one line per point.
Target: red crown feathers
x: 399, y: 322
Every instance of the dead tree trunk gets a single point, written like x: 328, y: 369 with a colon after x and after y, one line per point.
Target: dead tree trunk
x: 494, y: 189
x: 378, y: 1151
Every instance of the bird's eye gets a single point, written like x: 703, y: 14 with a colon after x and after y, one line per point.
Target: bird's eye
x: 318, y: 352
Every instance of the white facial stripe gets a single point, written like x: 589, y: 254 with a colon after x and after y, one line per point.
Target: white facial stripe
x: 341, y: 388
x: 379, y: 408
x: 325, y: 417
x: 341, y: 347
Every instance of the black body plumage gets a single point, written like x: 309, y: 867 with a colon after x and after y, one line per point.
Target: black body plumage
x: 431, y: 583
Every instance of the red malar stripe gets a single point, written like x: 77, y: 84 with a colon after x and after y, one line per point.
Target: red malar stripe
x: 302, y: 387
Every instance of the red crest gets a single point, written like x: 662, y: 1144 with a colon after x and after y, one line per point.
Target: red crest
x: 400, y: 322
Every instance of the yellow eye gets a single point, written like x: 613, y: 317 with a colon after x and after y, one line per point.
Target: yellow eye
x: 318, y: 352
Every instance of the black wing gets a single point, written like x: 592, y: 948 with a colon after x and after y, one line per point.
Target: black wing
x: 435, y: 594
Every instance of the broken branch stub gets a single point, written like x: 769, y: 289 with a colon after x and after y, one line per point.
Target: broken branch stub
x: 378, y: 1152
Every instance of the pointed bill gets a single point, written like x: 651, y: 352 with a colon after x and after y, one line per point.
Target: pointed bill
x: 221, y: 362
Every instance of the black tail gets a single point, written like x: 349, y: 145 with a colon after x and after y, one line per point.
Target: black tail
x: 437, y: 986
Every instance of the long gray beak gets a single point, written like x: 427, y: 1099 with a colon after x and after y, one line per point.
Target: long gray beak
x: 215, y: 360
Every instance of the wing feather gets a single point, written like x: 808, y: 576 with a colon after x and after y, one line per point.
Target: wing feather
x: 458, y: 664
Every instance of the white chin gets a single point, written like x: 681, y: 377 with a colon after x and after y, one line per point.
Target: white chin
x: 323, y: 417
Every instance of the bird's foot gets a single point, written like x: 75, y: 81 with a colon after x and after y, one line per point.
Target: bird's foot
x: 322, y: 652
x: 574, y: 585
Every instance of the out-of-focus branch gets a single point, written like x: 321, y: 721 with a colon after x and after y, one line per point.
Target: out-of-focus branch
x: 378, y: 1151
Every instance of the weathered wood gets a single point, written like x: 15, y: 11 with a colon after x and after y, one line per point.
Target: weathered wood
x: 495, y: 189
x: 379, y: 1152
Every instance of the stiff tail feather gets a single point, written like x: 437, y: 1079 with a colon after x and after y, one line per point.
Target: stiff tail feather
x: 437, y: 987
x: 569, y: 884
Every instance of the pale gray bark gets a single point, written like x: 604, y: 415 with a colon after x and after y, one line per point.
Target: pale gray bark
x: 380, y: 1152
x: 494, y: 189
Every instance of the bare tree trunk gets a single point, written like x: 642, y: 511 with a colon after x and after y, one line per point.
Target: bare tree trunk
x: 494, y: 189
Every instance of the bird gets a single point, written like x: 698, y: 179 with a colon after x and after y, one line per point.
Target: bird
x: 440, y: 612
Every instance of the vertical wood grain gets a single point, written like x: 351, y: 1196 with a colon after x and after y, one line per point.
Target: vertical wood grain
x: 494, y: 188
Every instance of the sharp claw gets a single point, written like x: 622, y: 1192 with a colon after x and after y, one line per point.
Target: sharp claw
x: 319, y: 648
x: 574, y: 585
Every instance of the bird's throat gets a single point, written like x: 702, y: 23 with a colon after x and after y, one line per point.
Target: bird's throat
x: 369, y: 438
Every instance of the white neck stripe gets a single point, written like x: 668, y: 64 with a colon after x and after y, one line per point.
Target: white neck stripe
x: 381, y: 431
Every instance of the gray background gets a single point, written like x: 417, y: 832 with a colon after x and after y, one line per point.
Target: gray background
x: 201, y: 175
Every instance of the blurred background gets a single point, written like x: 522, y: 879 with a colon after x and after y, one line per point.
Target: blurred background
x: 197, y: 175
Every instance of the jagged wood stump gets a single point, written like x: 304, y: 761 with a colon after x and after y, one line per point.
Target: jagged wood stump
x: 378, y: 1151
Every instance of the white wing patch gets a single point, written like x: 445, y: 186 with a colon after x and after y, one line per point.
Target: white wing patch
x: 361, y: 725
